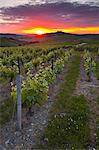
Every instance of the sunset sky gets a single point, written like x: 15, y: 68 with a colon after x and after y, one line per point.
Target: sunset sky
x: 45, y: 16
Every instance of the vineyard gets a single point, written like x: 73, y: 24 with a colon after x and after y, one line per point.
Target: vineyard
x: 53, y: 93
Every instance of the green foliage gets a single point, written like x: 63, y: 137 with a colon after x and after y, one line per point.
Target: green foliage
x: 59, y: 65
x: 30, y: 58
x: 35, y: 89
x: 89, y: 63
x: 6, y: 111
x: 48, y: 74
x: 7, y: 72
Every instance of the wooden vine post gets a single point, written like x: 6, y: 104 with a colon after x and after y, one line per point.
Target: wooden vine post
x: 19, y: 107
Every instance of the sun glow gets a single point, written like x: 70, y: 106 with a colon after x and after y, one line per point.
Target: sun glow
x: 38, y: 31
x: 84, y: 30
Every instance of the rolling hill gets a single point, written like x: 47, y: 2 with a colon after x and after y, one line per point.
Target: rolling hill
x: 57, y: 37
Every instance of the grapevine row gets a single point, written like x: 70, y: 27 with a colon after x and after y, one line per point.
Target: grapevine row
x: 35, y: 88
x: 8, y: 64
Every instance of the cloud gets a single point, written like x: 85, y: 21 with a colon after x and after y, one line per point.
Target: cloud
x: 14, y: 3
x: 61, y: 13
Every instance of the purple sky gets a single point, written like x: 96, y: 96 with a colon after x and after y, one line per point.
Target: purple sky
x: 67, y: 15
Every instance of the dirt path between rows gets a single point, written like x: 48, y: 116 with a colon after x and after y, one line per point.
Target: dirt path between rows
x: 91, y: 91
x: 32, y: 128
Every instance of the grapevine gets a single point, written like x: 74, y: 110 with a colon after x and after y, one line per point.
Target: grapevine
x: 89, y: 64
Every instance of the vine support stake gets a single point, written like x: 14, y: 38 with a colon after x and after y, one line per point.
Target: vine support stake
x: 91, y: 68
x: 19, y: 105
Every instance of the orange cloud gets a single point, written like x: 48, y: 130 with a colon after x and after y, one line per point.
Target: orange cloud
x: 83, y: 30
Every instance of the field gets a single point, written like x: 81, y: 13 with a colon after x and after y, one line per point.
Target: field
x: 59, y: 91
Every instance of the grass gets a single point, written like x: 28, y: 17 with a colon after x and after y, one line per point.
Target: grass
x: 68, y: 86
x: 6, y: 111
x: 7, y: 108
x: 68, y: 127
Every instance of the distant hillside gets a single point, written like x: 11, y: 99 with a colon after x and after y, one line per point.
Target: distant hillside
x: 4, y: 41
x: 73, y: 36
x: 9, y: 35
x: 8, y: 42
x: 62, y: 36
x: 57, y: 37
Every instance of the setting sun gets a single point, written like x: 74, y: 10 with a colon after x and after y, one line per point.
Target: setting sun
x: 39, y: 32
